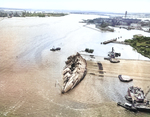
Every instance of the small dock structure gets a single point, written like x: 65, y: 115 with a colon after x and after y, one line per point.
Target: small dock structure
x: 120, y: 42
x: 112, y: 41
x: 109, y: 41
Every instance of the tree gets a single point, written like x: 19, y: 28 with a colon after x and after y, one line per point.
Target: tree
x: 23, y: 14
x: 104, y: 24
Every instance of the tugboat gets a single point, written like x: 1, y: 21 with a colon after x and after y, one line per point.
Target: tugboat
x: 112, y: 56
x: 74, y: 71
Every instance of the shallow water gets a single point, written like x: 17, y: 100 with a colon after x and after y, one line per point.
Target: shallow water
x: 29, y: 71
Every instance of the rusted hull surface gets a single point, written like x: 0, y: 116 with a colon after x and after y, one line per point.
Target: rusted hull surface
x: 74, y: 71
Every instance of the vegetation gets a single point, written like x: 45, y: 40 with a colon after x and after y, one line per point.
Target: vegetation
x: 107, y: 29
x: 29, y: 14
x: 141, y: 44
x: 104, y: 24
x: 3, y: 14
x: 104, y: 27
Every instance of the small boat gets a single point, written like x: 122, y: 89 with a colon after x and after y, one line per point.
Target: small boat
x: 143, y: 107
x: 114, y: 60
x: 124, y: 78
x: 74, y: 71
x: 135, y: 94
x: 127, y: 106
x: 55, y: 49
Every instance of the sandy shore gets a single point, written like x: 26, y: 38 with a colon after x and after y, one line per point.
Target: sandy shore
x: 97, y: 81
x: 96, y: 95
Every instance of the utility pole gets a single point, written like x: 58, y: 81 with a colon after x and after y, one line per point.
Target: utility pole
x: 149, y: 26
x: 125, y: 14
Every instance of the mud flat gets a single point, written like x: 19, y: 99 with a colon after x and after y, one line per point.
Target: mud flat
x: 137, y: 70
x: 27, y: 94
x: 29, y: 70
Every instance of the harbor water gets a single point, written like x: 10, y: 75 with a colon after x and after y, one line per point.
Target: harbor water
x: 30, y: 74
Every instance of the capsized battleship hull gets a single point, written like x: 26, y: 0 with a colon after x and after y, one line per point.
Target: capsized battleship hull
x: 74, y: 71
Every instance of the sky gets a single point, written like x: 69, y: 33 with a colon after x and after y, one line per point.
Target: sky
x: 120, y: 6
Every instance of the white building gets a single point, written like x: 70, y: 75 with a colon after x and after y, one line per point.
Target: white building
x: 135, y: 25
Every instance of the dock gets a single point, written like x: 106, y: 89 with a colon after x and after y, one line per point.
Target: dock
x: 109, y: 41
x: 120, y: 42
x: 114, y: 41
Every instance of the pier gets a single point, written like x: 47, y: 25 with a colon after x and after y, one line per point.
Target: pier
x: 120, y: 42
x: 115, y: 41
x: 109, y: 41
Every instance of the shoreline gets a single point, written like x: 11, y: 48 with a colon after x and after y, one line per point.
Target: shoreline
x: 29, y: 70
x: 102, y: 57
